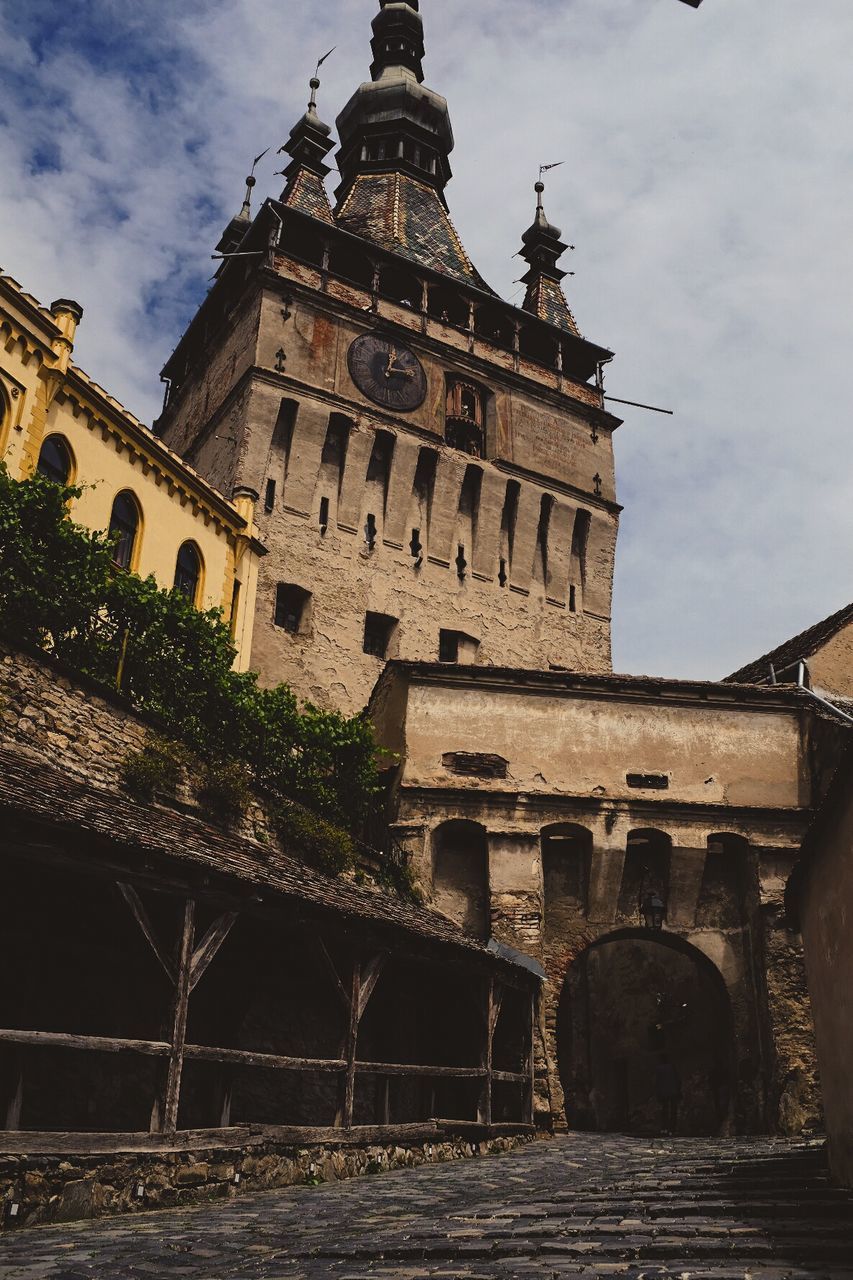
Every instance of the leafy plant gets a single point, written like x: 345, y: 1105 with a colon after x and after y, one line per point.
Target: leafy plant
x: 60, y: 591
x: 225, y: 790
x: 317, y: 842
x: 157, y: 769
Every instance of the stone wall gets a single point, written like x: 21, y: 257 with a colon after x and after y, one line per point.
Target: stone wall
x: 53, y: 714
x: 40, y: 1189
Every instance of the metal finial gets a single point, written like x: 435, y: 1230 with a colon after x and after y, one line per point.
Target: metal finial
x: 314, y: 82
x: 251, y: 182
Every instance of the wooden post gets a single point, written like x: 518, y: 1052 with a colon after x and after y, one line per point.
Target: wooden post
x: 363, y: 985
x: 180, y: 1007
x: 348, y: 1082
x: 494, y: 999
x: 13, y: 1087
x: 530, y: 1066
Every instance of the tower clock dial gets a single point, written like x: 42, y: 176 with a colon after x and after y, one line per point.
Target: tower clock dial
x: 387, y: 373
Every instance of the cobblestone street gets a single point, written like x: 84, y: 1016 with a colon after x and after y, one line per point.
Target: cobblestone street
x: 585, y: 1205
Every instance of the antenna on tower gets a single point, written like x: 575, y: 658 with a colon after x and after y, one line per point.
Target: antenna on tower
x: 246, y: 211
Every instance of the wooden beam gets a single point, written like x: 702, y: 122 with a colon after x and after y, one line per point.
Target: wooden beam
x: 269, y: 1061
x: 246, y: 1137
x: 370, y: 975
x: 329, y: 966
x: 209, y: 946
x: 510, y: 1077
x: 94, y: 1044
x: 180, y: 1010
x: 429, y: 1073
x: 140, y: 915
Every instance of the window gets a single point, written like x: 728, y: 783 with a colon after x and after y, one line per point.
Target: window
x: 448, y: 646
x: 292, y: 608
x: 124, y: 527
x: 269, y: 497
x: 324, y: 514
x: 370, y: 531
x: 55, y: 460
x: 466, y: 417
x: 379, y: 631
x: 188, y: 571
x: 235, y: 609
x: 457, y: 647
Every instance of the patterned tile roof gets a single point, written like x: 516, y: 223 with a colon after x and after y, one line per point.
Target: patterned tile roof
x: 407, y: 217
x: 546, y: 300
x: 800, y: 646
x: 307, y: 193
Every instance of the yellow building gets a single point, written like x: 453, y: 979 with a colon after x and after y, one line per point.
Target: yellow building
x: 170, y: 522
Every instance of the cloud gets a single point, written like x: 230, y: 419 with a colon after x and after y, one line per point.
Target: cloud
x: 707, y: 187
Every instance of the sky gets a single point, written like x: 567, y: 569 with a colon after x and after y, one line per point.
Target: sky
x: 707, y: 185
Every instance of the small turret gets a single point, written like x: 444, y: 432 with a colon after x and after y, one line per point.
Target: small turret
x: 542, y: 248
x: 309, y: 143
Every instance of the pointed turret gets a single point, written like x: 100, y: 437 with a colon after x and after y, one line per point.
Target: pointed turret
x: 396, y: 140
x: 240, y: 223
x: 309, y: 143
x: 542, y: 249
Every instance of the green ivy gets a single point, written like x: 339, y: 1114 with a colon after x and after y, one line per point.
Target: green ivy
x: 60, y: 591
x: 158, y: 769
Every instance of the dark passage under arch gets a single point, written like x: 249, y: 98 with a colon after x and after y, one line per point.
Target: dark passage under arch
x: 635, y: 1006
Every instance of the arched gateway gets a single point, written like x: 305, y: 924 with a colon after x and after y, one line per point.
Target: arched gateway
x: 635, y: 1005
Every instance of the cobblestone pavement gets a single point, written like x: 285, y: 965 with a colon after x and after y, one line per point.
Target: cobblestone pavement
x: 584, y: 1205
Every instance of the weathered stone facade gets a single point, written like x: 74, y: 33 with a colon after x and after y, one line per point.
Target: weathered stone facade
x: 475, y: 520
x: 612, y: 785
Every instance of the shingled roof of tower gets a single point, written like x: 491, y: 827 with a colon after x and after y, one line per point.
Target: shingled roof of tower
x: 407, y: 217
x: 800, y: 646
x: 308, y: 194
x: 547, y: 301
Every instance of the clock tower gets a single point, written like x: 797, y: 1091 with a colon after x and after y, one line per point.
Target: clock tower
x: 432, y: 467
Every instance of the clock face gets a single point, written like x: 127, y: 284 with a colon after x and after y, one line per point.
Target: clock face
x: 387, y: 373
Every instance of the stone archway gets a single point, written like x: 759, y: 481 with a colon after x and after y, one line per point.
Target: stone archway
x: 631, y: 1001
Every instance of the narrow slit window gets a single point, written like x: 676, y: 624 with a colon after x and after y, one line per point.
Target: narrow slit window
x: 324, y: 514
x: 269, y: 496
x: 370, y: 531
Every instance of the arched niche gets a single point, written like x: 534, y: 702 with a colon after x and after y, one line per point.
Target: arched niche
x: 566, y: 865
x: 648, y: 855
x: 460, y: 874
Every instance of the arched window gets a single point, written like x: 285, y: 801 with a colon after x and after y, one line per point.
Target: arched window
x: 461, y: 875
x: 124, y: 526
x: 55, y: 460
x: 188, y: 571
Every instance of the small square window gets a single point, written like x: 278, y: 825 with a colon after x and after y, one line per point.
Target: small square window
x: 379, y: 631
x: 292, y: 608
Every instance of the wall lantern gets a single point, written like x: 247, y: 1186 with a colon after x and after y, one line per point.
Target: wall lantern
x: 654, y: 911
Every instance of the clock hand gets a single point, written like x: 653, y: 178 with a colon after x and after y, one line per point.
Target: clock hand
x: 392, y: 359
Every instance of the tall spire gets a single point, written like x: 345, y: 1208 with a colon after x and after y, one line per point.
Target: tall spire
x: 542, y: 249
x: 393, y: 123
x: 309, y: 143
x: 398, y: 38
